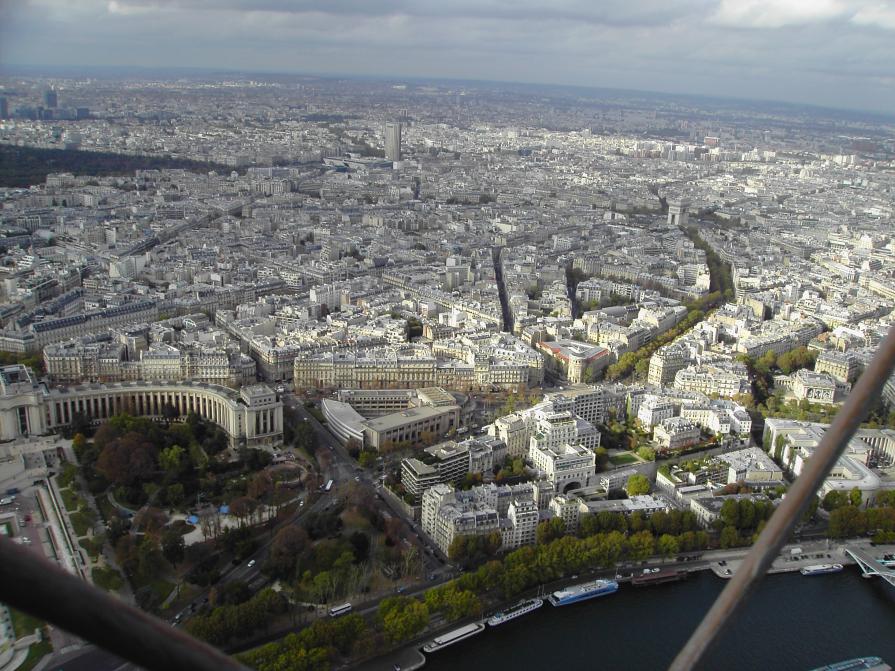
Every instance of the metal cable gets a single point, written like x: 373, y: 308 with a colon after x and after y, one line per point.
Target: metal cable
x: 35, y: 586
x: 864, y: 394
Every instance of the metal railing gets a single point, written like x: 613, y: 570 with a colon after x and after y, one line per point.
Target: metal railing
x: 32, y: 584
x: 756, y: 564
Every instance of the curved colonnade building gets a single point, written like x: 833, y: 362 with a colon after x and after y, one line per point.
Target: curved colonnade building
x: 252, y: 416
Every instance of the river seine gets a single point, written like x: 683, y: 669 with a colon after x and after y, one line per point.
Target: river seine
x: 793, y: 622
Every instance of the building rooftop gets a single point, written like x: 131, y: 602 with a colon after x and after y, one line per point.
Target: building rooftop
x: 749, y: 459
x: 397, y: 419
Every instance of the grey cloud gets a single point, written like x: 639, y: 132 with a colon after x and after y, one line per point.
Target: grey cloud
x: 820, y: 53
x: 619, y: 13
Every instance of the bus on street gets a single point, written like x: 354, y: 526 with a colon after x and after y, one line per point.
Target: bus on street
x: 335, y: 611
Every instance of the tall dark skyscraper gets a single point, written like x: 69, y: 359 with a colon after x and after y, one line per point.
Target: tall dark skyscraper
x: 50, y: 99
x: 4, y: 108
x: 393, y: 141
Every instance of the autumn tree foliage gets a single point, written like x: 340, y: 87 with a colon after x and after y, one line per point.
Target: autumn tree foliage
x: 128, y: 460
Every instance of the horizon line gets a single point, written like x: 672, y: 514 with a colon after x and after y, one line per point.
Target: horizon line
x: 7, y: 69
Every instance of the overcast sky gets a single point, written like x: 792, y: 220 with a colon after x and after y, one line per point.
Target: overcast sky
x: 828, y: 52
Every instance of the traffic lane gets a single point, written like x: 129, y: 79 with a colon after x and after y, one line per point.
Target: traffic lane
x: 344, y: 463
x: 240, y: 571
x: 306, y: 416
x: 246, y: 573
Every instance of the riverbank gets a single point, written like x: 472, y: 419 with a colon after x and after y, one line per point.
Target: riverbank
x: 792, y: 622
x: 721, y: 563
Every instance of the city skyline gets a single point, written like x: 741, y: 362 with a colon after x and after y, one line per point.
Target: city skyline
x: 336, y: 371
x: 835, y: 54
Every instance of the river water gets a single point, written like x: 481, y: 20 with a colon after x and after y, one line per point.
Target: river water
x: 793, y: 622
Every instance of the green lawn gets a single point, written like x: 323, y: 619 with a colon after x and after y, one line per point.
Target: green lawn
x: 151, y: 593
x: 161, y: 588
x: 108, y: 579
x: 106, y: 509
x: 81, y: 522
x: 623, y: 458
x: 72, y: 501
x: 24, y: 624
x: 93, y: 545
x: 36, y: 653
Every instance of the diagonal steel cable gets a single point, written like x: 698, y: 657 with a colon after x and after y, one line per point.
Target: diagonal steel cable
x: 862, y: 397
x: 32, y: 584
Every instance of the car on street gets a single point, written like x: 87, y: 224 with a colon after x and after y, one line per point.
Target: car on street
x: 251, y: 563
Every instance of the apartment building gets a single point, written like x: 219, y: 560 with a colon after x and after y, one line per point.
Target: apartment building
x: 711, y: 380
x: 564, y: 466
x: 665, y: 363
x: 675, y: 433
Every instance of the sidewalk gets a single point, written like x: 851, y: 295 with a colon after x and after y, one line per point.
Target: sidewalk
x: 813, y: 552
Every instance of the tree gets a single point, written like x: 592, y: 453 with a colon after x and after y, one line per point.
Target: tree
x: 668, y: 545
x: 198, y: 457
x: 637, y: 484
x: 847, y: 521
x: 855, y: 498
x: 128, y: 460
x: 730, y: 538
x: 640, y: 545
x: 602, y: 457
x: 810, y: 511
x: 173, y: 546
x: 834, y: 499
x: 779, y: 445
x: 474, y: 550
x: 242, y: 508
x: 174, y: 495
x: 169, y: 459
x: 150, y: 520
x: 402, y: 618
x: 78, y: 443
x: 747, y: 516
x: 550, y: 530
x: 410, y: 561
x: 730, y: 513
x: 885, y: 498
x: 260, y: 486
x: 647, y: 453
x: 149, y: 558
x: 462, y: 603
x: 791, y: 361
x: 285, y: 549
x: 353, y: 447
x: 360, y: 543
